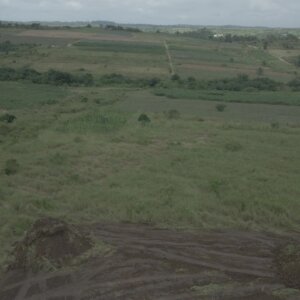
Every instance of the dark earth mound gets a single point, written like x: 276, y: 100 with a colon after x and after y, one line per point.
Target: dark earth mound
x: 50, y: 243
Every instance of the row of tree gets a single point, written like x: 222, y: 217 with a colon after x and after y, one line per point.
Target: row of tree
x: 50, y: 77
x: 239, y: 83
x: 55, y: 77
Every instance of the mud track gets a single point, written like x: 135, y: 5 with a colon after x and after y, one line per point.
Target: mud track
x: 157, y: 264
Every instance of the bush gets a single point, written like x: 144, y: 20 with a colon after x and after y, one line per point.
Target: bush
x: 260, y: 71
x: 58, y: 77
x: 84, y: 100
x: 172, y: 114
x: 7, y: 47
x: 220, y: 107
x: 8, y: 118
x: 144, y: 119
x: 154, y: 82
x: 275, y: 125
x: 114, y: 78
x: 11, y: 167
x: 295, y: 84
x: 175, y: 77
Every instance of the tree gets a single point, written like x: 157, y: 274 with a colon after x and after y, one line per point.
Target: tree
x: 266, y: 45
x: 228, y: 38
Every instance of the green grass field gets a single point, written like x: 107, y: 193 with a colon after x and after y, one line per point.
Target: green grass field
x: 81, y: 154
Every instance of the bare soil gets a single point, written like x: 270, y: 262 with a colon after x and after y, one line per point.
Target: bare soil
x: 151, y: 263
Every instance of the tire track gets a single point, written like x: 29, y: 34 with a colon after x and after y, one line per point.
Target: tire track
x: 163, y: 264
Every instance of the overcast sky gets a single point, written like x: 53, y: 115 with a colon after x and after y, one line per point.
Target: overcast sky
x: 276, y: 13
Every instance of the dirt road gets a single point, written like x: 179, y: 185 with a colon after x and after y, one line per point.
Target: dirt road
x: 171, y: 65
x: 150, y: 263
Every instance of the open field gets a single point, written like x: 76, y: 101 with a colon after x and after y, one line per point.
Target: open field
x: 207, y: 159
x: 144, y: 54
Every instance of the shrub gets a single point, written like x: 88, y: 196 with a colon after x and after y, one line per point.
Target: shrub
x: 114, y: 78
x: 11, y: 167
x: 154, y: 82
x: 84, y: 100
x: 172, y: 114
x: 216, y: 186
x: 220, y: 107
x: 144, y: 119
x: 242, y: 81
x: 275, y: 125
x: 191, y: 82
x: 8, y: 118
x: 7, y: 47
x: 175, y: 77
x: 295, y: 84
x: 260, y: 71
x: 58, y: 78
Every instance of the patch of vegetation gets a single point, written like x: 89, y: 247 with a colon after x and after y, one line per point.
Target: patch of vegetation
x: 11, y: 167
x: 121, y: 28
x: 50, y: 77
x: 101, y: 122
x: 172, y: 114
x: 144, y: 119
x: 221, y: 107
x: 7, y: 118
x: 275, y: 125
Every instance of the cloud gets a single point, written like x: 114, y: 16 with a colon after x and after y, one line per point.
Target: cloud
x: 203, y: 12
x: 73, y: 5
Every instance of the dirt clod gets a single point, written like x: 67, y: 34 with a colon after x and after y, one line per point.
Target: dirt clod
x: 50, y: 244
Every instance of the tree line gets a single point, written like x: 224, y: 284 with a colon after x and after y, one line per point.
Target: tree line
x: 55, y: 77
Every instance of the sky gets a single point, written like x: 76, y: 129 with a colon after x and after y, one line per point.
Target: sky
x: 272, y: 13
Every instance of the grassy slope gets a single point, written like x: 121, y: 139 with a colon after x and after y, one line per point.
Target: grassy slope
x: 89, y: 160
x: 93, y: 161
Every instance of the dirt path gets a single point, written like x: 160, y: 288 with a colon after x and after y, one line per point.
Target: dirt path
x: 172, y: 69
x: 157, y: 264
x: 280, y: 58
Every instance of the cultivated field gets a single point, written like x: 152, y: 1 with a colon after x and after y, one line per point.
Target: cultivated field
x: 209, y: 154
